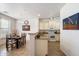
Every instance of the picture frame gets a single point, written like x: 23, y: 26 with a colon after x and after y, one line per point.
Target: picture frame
x: 71, y: 23
x: 26, y: 27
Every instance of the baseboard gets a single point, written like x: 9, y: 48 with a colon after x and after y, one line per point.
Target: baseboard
x: 64, y: 51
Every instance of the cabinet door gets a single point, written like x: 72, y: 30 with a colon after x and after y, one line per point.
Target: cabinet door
x: 41, y: 48
x: 44, y: 25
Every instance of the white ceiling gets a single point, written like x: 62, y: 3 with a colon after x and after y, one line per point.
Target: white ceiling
x: 25, y: 10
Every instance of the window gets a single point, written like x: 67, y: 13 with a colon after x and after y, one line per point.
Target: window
x: 4, y: 24
x: 4, y: 27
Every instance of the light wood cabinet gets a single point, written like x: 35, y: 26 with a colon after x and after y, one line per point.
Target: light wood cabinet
x: 41, y: 47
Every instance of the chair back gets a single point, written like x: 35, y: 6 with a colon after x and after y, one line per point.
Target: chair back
x: 23, y: 34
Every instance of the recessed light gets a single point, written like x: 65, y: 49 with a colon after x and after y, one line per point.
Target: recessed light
x: 38, y: 15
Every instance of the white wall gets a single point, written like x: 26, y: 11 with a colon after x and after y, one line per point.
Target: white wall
x: 69, y: 38
x: 34, y: 26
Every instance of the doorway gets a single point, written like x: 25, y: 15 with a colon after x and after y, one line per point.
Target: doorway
x: 50, y: 31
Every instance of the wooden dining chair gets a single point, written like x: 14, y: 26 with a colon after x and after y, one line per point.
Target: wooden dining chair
x: 10, y: 43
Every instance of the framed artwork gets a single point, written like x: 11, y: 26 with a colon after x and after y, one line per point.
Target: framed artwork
x: 26, y: 27
x: 71, y: 23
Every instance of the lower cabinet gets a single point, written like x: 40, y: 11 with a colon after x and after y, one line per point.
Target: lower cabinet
x: 41, y: 47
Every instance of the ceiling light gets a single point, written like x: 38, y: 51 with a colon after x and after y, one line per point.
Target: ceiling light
x: 38, y: 15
